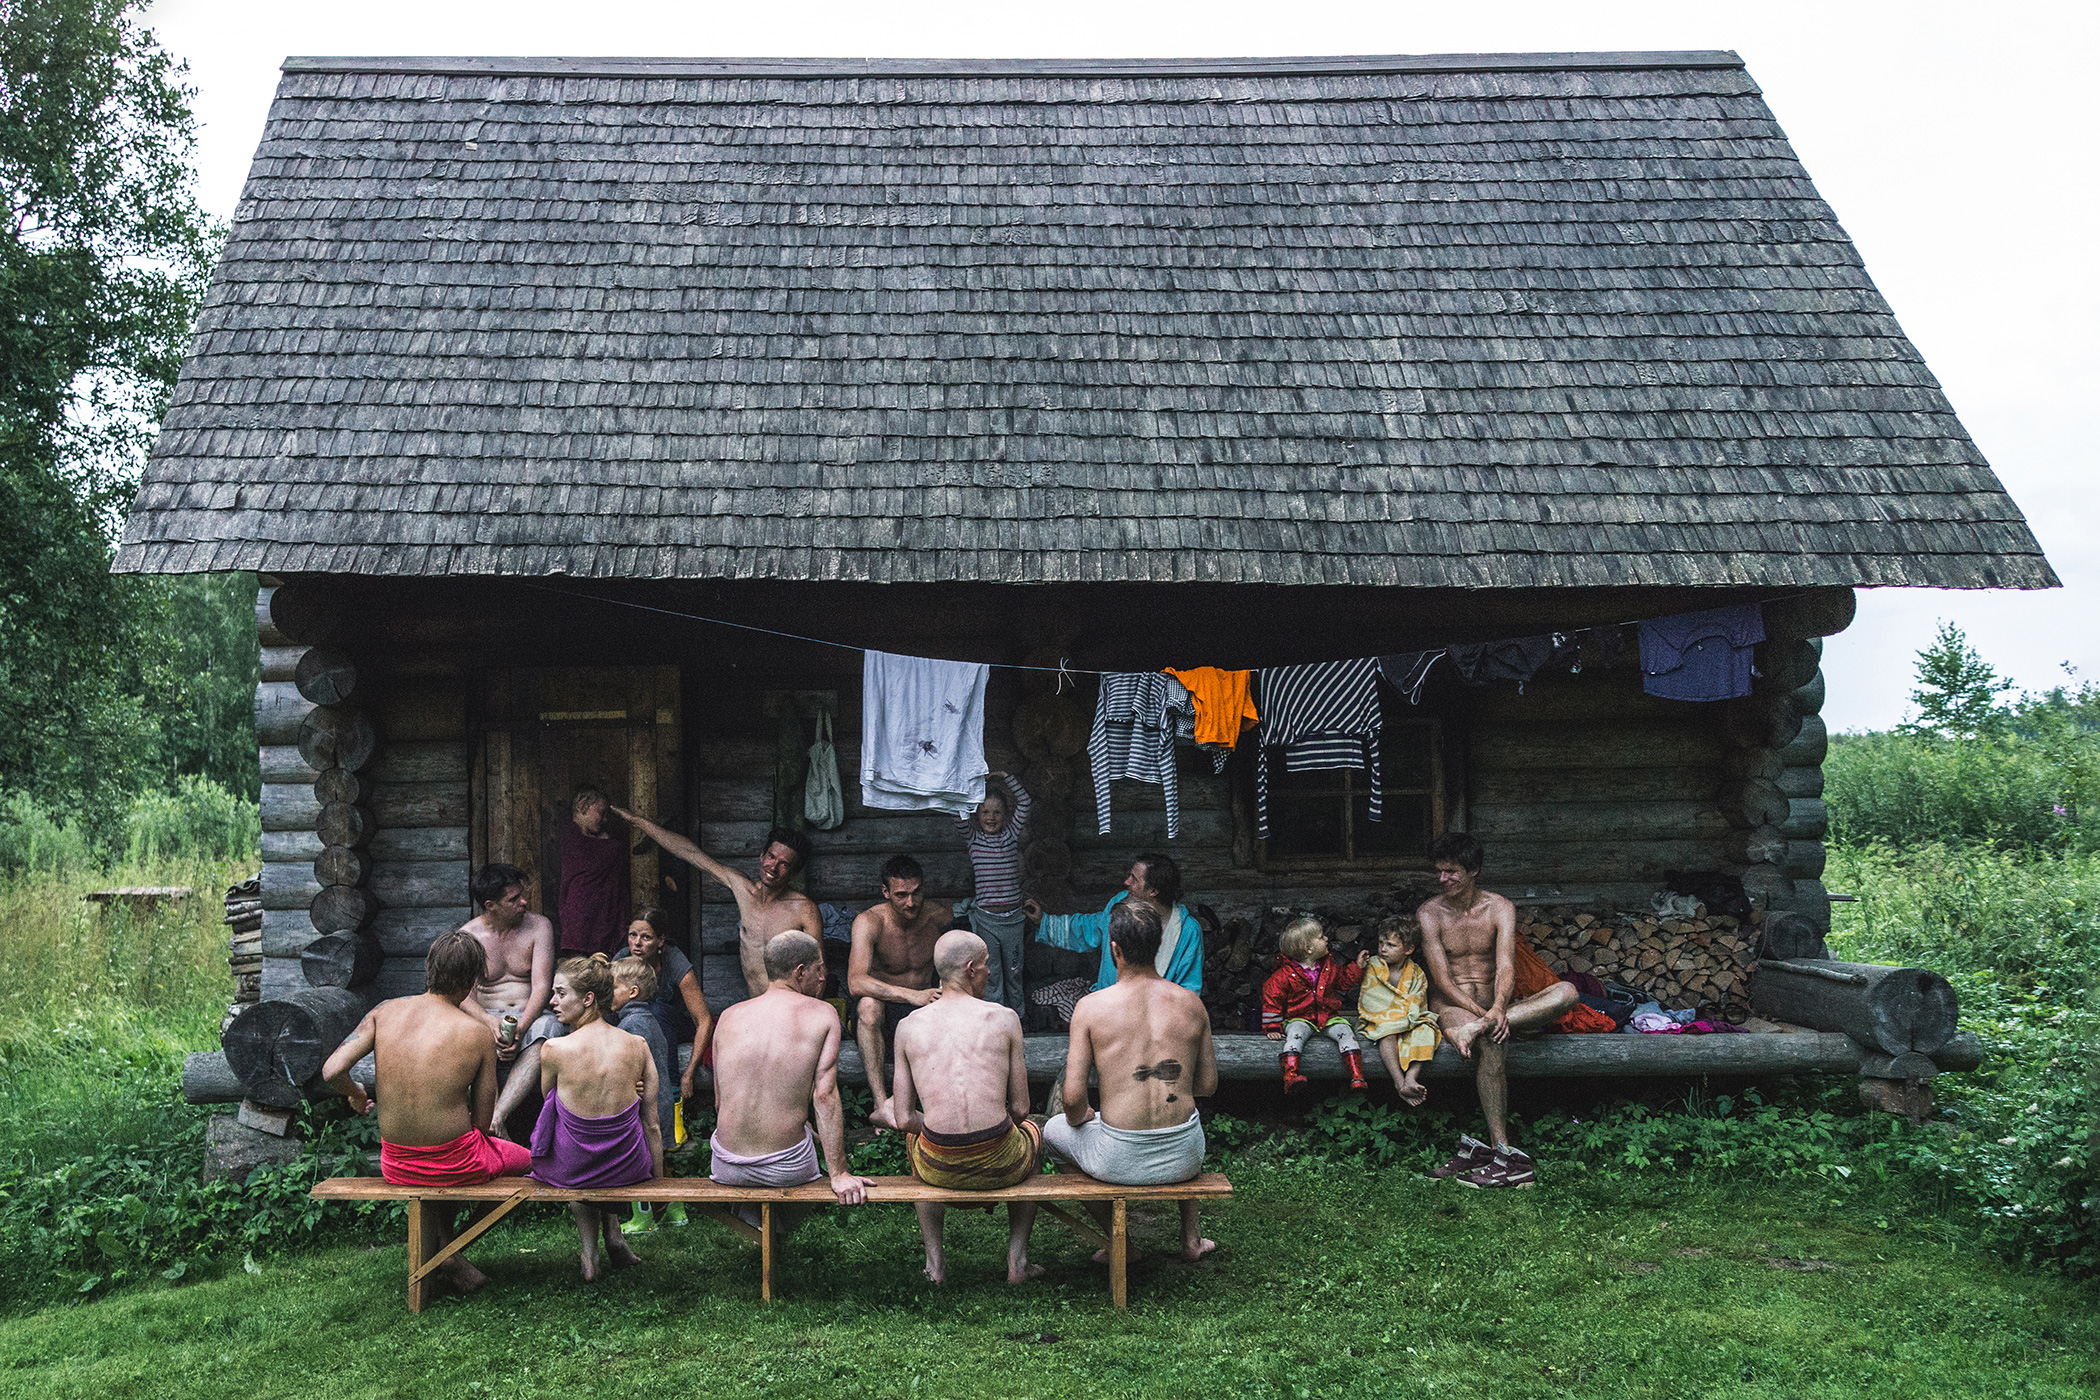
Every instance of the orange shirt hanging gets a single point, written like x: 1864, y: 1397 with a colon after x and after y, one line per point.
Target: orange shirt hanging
x: 1223, y: 709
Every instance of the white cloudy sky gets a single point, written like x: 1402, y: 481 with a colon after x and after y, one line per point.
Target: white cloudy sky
x: 1955, y: 141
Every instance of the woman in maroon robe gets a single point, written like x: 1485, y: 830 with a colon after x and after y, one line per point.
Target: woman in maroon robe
x: 594, y: 892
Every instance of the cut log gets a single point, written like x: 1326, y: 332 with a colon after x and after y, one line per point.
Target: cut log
x: 207, y: 1078
x: 279, y: 711
x: 246, y: 1042
x: 308, y: 1029
x: 397, y: 805
x: 341, y: 785
x: 408, y: 933
x: 292, y: 847
x: 1753, y: 802
x: 1801, y: 782
x: 341, y: 824
x: 1766, y: 884
x: 1963, y: 1052
x: 299, y: 613
x: 289, y: 807
x: 233, y: 1150
x: 1807, y: 819
x: 437, y: 761
x: 1809, y: 698
x: 1787, y: 935
x: 1050, y: 727
x: 342, y: 865
x: 419, y: 844
x: 1759, y: 845
x: 342, y: 960
x: 266, y: 630
x: 1751, y: 763
x: 1820, y: 612
x: 337, y: 736
x: 339, y: 907
x: 288, y: 887
x: 1894, y: 1009
x: 1786, y: 664
x: 326, y: 676
x: 1809, y: 747
x: 1760, y: 722
x: 1804, y: 860
x: 281, y: 663
x: 420, y: 884
x: 281, y: 763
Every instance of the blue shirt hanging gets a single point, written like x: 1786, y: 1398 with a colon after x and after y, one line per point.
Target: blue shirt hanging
x: 1701, y: 655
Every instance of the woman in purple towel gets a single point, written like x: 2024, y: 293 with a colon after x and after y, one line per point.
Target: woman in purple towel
x: 598, y: 1127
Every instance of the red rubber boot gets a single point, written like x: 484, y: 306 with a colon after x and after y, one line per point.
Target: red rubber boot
x: 1355, y: 1060
x: 1292, y: 1080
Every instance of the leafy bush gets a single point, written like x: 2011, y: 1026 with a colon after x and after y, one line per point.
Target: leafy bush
x: 1907, y: 789
x: 198, y: 819
x: 31, y: 839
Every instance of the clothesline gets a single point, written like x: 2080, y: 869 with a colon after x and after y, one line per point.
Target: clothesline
x: 1060, y: 670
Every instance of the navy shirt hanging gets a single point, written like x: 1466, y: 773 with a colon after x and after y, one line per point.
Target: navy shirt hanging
x: 1701, y: 655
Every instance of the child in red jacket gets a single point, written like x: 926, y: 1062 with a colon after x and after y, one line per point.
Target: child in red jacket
x: 1303, y: 998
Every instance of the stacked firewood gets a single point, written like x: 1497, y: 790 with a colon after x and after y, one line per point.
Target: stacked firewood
x: 244, y: 914
x: 1699, y: 961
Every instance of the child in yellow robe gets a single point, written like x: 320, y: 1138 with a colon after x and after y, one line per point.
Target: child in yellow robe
x: 1393, y: 1008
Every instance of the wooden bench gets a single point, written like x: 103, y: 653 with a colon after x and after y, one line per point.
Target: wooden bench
x: 1057, y: 1194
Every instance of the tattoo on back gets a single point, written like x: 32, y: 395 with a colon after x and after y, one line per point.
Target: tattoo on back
x: 1167, y: 1070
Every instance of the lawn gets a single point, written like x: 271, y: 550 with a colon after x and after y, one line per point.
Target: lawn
x: 1328, y: 1283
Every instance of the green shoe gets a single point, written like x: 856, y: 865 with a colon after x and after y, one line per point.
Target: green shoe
x: 641, y: 1223
x: 674, y: 1213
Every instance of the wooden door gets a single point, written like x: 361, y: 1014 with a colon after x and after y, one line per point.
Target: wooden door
x: 542, y: 732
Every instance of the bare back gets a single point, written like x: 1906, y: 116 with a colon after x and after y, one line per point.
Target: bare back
x: 770, y: 1052
x: 1149, y: 1040
x: 1465, y: 945
x: 510, y: 954
x: 960, y: 1062
x: 435, y: 1068
x: 759, y: 918
x: 597, y: 1069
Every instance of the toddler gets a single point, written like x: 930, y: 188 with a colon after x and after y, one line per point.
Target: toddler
x: 1394, y: 1008
x: 1303, y: 998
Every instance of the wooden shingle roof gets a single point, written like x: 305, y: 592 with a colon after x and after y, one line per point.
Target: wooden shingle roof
x: 1476, y: 321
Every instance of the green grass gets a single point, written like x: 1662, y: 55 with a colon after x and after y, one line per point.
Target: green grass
x: 1327, y: 1284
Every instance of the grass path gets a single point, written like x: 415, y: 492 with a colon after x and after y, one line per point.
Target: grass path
x: 1327, y: 1287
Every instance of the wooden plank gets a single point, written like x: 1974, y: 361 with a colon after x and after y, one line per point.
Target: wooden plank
x: 1064, y: 1185
x: 419, y: 884
x: 398, y: 977
x: 286, y: 932
x: 418, y: 1285
x: 279, y: 711
x: 408, y: 933
x: 765, y: 1252
x: 288, y: 885
x: 291, y: 846
x: 407, y: 805
x: 1808, y: 819
x: 1132, y: 831
x: 1659, y: 745
x: 419, y: 712
x: 1119, y: 1254
x: 419, y: 843
x: 1670, y: 820
x: 420, y: 761
x: 289, y: 807
x: 1553, y: 786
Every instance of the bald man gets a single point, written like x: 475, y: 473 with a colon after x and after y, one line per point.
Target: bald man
x: 962, y: 1100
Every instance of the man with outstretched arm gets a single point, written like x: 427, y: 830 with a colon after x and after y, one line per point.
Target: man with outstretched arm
x: 519, y: 945
x: 962, y: 1098
x: 765, y: 906
x: 1150, y: 1040
x: 435, y: 1088
x: 776, y: 1060
x: 889, y: 973
x: 1469, y: 950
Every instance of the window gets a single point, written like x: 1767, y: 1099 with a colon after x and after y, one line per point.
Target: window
x: 1324, y: 818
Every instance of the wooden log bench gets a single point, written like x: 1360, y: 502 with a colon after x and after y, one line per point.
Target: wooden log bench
x: 1059, y: 1194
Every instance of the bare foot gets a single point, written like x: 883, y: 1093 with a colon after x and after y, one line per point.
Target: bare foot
x: 1412, y: 1094
x: 463, y: 1277
x: 1026, y: 1272
x: 883, y: 1115
x: 936, y: 1270
x: 1462, y: 1039
x: 1202, y: 1247
x: 1100, y: 1256
x: 591, y: 1267
x: 620, y: 1256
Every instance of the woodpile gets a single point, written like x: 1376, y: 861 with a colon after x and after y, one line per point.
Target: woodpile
x: 244, y: 920
x: 1701, y: 962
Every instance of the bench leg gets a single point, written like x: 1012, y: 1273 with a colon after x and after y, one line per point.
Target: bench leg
x: 765, y: 1252
x: 1119, y: 1257
x: 418, y: 1246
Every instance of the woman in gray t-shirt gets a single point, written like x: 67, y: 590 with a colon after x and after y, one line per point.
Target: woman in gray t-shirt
x: 679, y: 1006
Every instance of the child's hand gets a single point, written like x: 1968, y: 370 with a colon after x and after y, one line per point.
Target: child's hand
x: 1363, y: 957
x: 1275, y: 1035
x: 1033, y: 910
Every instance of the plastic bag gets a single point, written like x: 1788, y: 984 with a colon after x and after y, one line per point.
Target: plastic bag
x: 823, y: 801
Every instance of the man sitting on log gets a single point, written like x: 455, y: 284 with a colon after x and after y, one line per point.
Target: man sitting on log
x: 1469, y: 948
x: 776, y: 1061
x: 765, y: 906
x: 435, y: 1087
x: 890, y: 972
x: 1150, y: 1040
x: 962, y: 1096
x: 519, y: 945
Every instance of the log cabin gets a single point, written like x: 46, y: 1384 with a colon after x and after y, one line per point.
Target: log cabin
x: 584, y: 418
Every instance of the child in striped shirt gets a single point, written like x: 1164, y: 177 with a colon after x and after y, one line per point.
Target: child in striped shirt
x: 997, y: 828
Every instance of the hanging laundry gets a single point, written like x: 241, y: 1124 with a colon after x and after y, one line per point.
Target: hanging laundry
x: 1322, y: 716
x: 1516, y: 660
x: 1135, y: 721
x: 1701, y: 655
x: 922, y: 734
x: 1407, y: 671
x: 1224, y: 710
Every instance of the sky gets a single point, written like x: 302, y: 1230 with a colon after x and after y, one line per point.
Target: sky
x: 1956, y: 143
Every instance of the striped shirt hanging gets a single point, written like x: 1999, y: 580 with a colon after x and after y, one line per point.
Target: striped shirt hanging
x: 1322, y: 716
x: 1133, y: 737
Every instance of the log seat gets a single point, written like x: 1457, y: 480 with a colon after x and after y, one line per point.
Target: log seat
x: 1057, y: 1193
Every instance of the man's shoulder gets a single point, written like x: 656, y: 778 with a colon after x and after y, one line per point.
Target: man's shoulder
x: 533, y: 925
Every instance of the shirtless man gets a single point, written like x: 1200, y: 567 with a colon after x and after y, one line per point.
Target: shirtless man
x: 435, y: 1088
x: 1469, y: 939
x: 1150, y: 1039
x: 776, y: 1060
x: 962, y: 1095
x: 890, y: 971
x: 765, y: 906
x: 520, y: 976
